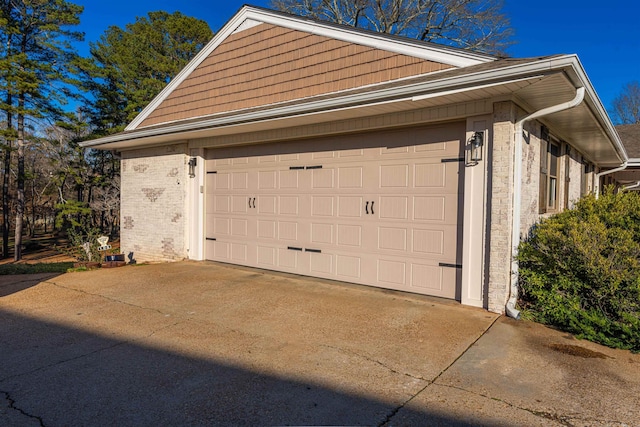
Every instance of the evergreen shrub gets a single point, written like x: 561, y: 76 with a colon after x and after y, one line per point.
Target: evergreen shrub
x: 580, y: 270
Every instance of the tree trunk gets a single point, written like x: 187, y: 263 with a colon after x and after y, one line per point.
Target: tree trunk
x: 5, y: 185
x: 17, y: 252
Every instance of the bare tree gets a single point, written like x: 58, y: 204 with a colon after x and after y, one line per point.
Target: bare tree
x: 626, y: 106
x: 478, y: 25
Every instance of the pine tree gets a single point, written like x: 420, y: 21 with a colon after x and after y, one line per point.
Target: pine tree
x: 37, y: 68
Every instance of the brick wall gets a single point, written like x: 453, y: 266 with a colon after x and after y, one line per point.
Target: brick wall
x: 500, y: 209
x: 530, y: 201
x: 153, y: 203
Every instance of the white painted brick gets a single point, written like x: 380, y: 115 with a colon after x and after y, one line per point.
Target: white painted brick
x: 153, y: 203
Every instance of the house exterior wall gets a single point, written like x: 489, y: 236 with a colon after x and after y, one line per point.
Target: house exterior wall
x: 531, y: 157
x: 576, y: 178
x: 500, y: 206
x: 153, y: 203
x: 267, y: 64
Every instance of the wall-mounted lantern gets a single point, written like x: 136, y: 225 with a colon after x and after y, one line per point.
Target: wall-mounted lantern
x: 475, y: 146
x: 192, y: 167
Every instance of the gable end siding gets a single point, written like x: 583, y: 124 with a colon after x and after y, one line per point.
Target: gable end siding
x: 267, y: 64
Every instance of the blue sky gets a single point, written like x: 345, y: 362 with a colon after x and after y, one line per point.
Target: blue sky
x: 604, y: 34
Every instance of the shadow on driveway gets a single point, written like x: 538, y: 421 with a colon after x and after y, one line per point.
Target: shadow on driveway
x: 53, y: 375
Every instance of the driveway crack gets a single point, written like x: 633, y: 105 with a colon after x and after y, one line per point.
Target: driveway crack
x: 394, y: 411
x: 12, y: 405
x: 370, y: 359
x: 106, y: 298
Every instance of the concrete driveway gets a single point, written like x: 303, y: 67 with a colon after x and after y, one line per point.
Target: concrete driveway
x: 207, y: 344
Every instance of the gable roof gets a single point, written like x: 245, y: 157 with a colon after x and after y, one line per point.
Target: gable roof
x: 532, y: 83
x: 249, y: 17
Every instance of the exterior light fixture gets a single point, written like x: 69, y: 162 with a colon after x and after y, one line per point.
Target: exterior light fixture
x: 475, y: 145
x: 192, y: 167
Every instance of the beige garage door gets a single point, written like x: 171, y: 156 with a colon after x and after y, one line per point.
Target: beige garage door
x: 380, y: 209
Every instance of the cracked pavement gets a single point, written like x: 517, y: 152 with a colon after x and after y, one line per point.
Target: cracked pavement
x: 208, y: 344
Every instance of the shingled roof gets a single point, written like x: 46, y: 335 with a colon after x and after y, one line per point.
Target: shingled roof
x: 630, y: 137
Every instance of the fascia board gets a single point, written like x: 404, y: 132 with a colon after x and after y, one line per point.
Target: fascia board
x: 453, y: 57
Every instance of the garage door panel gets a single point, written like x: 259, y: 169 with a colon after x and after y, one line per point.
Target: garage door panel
x: 266, y: 229
x: 239, y: 227
x: 221, y: 204
x: 392, y: 208
x: 379, y: 209
x: 322, y: 206
x: 427, y: 277
x: 267, y: 204
x: 436, y: 177
x: 322, y: 179
x: 240, y: 204
x: 349, y: 235
x: 392, y: 239
x: 348, y: 267
x: 288, y: 205
x: 321, y: 264
x: 322, y: 233
x: 433, y: 280
x: 221, y: 226
x: 350, y: 177
x: 266, y: 256
x: 267, y: 180
x: 392, y: 272
x: 240, y: 180
x: 437, y: 209
x: 239, y: 252
x: 288, y: 230
x: 289, y: 179
x: 288, y: 259
x: 350, y: 206
x: 394, y: 176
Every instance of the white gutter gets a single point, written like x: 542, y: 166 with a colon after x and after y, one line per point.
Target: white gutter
x: 517, y: 192
x: 607, y: 172
x: 630, y: 186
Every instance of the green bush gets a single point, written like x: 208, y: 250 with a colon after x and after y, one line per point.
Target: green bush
x: 580, y: 270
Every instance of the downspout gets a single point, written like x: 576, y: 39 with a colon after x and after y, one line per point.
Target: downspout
x: 630, y: 186
x: 510, y: 308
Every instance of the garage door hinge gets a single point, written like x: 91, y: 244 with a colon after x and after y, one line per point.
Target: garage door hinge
x: 296, y: 168
x: 314, y: 167
x: 457, y: 159
x: 315, y: 251
x: 293, y: 248
x: 212, y: 171
x: 444, y: 264
x: 211, y: 238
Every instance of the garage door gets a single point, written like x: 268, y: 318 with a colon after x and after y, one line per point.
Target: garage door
x: 380, y: 209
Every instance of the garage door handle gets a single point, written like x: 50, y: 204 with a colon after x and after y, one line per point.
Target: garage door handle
x: 254, y: 203
x: 366, y: 207
x: 372, y: 212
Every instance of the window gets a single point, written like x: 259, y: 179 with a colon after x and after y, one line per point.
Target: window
x: 549, y: 166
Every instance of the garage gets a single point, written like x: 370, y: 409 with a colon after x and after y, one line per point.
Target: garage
x: 380, y: 209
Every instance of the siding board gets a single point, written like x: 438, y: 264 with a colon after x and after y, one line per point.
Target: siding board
x: 267, y: 64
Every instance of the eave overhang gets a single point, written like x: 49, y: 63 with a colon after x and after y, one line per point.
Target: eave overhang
x: 532, y: 84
